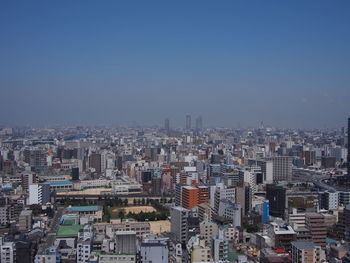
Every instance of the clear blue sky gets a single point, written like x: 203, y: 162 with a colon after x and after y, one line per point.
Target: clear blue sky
x: 112, y: 62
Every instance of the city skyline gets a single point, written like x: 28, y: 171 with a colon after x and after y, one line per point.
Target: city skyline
x: 83, y: 63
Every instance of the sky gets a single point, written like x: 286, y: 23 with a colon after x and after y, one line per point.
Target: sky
x: 285, y: 63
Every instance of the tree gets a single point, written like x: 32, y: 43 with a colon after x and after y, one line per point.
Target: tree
x: 121, y: 214
x: 126, y: 202
x: 106, y: 214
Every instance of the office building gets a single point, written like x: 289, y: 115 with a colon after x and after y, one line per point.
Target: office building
x: 188, y: 122
x: 203, y: 194
x: 328, y: 161
x: 39, y: 194
x: 7, y: 251
x: 25, y: 221
x: 35, y: 157
x: 344, y: 198
x: 95, y: 162
x: 154, y: 249
x: 201, y: 252
x: 230, y: 211
x: 199, y: 123
x: 167, y: 126
x: 189, y: 197
x: 329, y: 200
x: 315, y: 222
x: 25, y: 251
x: 277, y: 200
x: 309, y: 157
x: 28, y: 179
x: 220, y: 249
x: 125, y: 242
x: 179, y: 227
x: 282, y: 168
x: 244, y: 198
x: 75, y: 174
x: 84, y: 248
x: 208, y: 230
x: 306, y: 252
x: 281, y: 234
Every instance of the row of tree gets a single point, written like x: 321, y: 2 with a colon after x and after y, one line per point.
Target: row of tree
x: 116, y: 202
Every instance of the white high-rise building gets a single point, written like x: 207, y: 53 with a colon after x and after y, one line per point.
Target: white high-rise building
x: 331, y: 200
x: 84, y: 244
x: 7, y: 251
x: 250, y: 176
x: 223, y: 193
x: 231, y: 211
x: 39, y: 194
x: 179, y: 217
x: 282, y: 168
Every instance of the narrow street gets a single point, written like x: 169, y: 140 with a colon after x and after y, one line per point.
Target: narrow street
x: 50, y: 235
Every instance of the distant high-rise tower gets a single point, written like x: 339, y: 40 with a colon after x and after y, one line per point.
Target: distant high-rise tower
x: 199, y: 123
x: 95, y: 162
x: 188, y: 122
x: 167, y: 125
x: 75, y: 174
x: 348, y: 159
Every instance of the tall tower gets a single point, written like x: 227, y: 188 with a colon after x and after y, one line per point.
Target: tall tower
x: 167, y: 125
x: 188, y: 122
x: 348, y: 159
x: 199, y: 123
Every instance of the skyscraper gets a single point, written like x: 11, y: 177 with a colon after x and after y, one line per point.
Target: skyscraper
x: 282, y: 168
x: 167, y: 125
x: 199, y: 123
x: 189, y: 197
x: 179, y: 217
x: 95, y: 162
x: 75, y: 174
x: 39, y: 194
x: 188, y: 122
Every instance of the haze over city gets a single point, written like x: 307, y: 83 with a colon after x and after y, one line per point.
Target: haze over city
x: 285, y: 63
x: 174, y: 131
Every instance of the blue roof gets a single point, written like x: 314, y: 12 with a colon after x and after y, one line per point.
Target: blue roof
x: 53, y: 183
x: 83, y: 208
x: 330, y: 240
x: 7, y: 186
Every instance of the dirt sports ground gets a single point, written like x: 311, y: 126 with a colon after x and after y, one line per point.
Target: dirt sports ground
x: 136, y: 209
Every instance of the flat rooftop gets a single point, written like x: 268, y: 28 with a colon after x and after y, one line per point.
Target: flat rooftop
x: 84, y: 208
x: 69, y: 231
x: 55, y: 183
x: 303, y: 244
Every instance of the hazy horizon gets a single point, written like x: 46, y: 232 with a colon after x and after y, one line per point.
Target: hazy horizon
x: 113, y: 63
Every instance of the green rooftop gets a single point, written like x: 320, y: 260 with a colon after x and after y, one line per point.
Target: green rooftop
x: 68, y: 231
x: 233, y: 256
x: 69, y: 222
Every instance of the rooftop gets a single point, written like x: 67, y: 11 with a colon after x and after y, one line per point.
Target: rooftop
x: 69, y: 231
x: 54, y: 183
x: 26, y: 212
x: 83, y: 208
x: 303, y: 244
